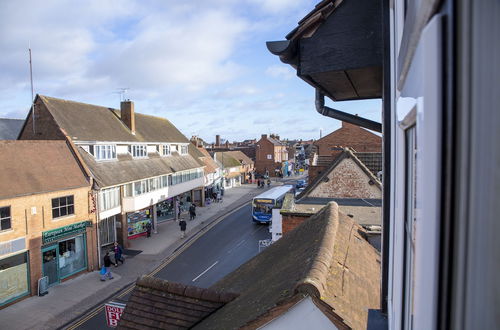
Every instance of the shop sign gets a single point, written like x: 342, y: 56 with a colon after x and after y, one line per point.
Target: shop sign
x: 264, y: 201
x: 12, y: 246
x: 56, y: 234
x: 114, y: 312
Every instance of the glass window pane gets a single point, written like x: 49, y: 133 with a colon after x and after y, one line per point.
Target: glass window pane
x: 55, y: 202
x: 55, y: 213
x: 71, y: 209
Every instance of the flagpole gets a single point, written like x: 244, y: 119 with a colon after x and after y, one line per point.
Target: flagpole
x: 32, y: 98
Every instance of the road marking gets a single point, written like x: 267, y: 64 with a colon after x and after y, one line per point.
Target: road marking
x: 243, y: 241
x: 206, y: 270
x: 182, y: 248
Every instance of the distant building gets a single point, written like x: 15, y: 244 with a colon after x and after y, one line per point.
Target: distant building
x: 10, y: 128
x: 271, y: 156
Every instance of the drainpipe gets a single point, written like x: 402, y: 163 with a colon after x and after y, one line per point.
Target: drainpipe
x: 344, y: 116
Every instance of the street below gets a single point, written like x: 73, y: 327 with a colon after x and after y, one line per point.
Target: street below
x: 222, y: 249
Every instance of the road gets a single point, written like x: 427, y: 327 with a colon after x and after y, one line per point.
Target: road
x: 218, y: 252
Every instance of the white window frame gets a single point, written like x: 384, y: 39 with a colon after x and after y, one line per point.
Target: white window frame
x: 184, y: 150
x: 165, y: 150
x: 109, y: 198
x: 139, y: 151
x: 104, y: 151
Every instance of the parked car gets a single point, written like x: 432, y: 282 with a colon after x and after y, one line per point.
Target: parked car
x: 300, y: 184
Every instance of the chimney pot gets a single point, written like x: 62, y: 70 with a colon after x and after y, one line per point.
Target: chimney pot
x: 128, y: 115
x: 264, y: 136
x: 217, y: 140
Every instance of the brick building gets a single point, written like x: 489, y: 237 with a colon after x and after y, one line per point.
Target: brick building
x: 271, y: 155
x: 141, y: 165
x: 47, y: 217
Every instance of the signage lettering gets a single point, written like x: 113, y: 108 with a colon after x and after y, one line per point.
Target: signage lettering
x: 55, y: 234
x: 114, y: 312
x: 265, y: 201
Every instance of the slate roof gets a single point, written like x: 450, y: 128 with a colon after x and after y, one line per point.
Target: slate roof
x: 275, y: 141
x: 326, y: 257
x: 127, y: 169
x: 346, y: 153
x: 227, y: 159
x: 87, y: 122
x: 372, y: 160
x: 10, y: 128
x: 30, y: 167
x: 159, y: 304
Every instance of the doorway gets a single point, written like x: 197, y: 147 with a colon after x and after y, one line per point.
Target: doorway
x: 50, y: 264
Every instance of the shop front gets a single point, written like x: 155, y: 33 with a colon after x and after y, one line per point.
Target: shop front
x: 165, y: 210
x: 14, y: 271
x: 64, y: 251
x: 137, y: 223
x: 184, y: 201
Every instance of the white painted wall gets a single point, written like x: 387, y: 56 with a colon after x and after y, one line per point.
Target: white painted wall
x: 110, y: 212
x: 304, y: 315
x: 276, y: 227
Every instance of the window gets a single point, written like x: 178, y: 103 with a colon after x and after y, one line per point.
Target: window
x: 5, y: 222
x: 184, y: 150
x: 165, y: 150
x: 139, y: 151
x: 62, y: 206
x: 104, y: 152
x: 109, y: 198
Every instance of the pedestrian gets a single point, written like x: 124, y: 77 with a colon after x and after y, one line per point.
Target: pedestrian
x: 192, y: 212
x: 148, y: 229
x: 118, y: 254
x: 183, y: 225
x: 106, y: 272
x: 268, y: 183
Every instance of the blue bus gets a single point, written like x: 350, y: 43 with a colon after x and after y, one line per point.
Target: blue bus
x: 263, y: 204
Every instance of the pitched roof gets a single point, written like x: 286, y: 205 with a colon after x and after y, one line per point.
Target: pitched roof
x: 127, y: 169
x: 244, y: 159
x: 275, y: 141
x: 210, y: 165
x: 87, y: 122
x: 10, y: 128
x: 31, y: 167
x: 159, y: 304
x: 226, y: 159
x: 346, y: 153
x: 325, y: 257
x: 372, y: 160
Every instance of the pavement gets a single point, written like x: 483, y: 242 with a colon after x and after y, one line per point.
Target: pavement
x: 73, y: 298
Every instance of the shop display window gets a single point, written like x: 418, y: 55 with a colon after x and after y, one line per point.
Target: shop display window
x: 137, y: 221
x: 13, y: 277
x: 71, y: 256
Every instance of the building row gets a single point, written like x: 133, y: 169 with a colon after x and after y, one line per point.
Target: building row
x: 81, y: 177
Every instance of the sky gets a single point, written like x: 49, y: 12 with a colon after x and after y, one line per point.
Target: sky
x: 201, y: 64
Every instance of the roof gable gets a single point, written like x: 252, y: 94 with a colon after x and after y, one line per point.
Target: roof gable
x: 360, y: 178
x: 226, y: 159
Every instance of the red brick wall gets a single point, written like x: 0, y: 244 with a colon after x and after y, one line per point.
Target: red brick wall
x: 351, y: 136
x: 45, y: 126
x: 314, y: 171
x: 262, y: 149
x: 289, y: 222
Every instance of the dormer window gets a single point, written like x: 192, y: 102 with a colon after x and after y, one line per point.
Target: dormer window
x: 184, y: 150
x: 139, y: 151
x: 103, y: 152
x: 165, y: 150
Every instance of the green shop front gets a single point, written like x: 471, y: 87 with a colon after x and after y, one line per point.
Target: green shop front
x: 64, y: 251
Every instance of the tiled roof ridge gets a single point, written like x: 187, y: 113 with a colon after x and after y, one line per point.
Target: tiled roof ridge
x: 186, y: 290
x: 314, y: 282
x: 48, y: 98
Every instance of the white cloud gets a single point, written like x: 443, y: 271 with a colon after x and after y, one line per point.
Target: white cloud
x: 277, y: 6
x: 280, y: 71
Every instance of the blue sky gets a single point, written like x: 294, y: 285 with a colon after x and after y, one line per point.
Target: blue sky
x: 201, y: 64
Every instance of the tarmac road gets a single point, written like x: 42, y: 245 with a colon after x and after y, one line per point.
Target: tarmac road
x: 207, y: 259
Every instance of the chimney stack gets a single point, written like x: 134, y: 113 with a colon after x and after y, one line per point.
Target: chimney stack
x: 264, y: 136
x: 127, y: 114
x: 217, y: 140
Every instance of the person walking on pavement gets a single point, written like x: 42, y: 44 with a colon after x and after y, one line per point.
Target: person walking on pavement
x: 107, y: 271
x: 118, y: 254
x: 183, y: 225
x: 148, y: 229
x: 268, y: 183
x: 192, y: 212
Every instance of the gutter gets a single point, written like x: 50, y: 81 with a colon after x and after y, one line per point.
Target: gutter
x: 344, y: 116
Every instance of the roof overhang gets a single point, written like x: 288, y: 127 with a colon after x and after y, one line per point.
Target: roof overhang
x: 337, y: 48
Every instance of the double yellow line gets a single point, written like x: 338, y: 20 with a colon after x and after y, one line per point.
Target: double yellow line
x: 155, y: 271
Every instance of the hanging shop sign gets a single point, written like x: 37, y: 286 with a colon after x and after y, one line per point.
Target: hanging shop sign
x: 56, y: 234
x: 114, y: 311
